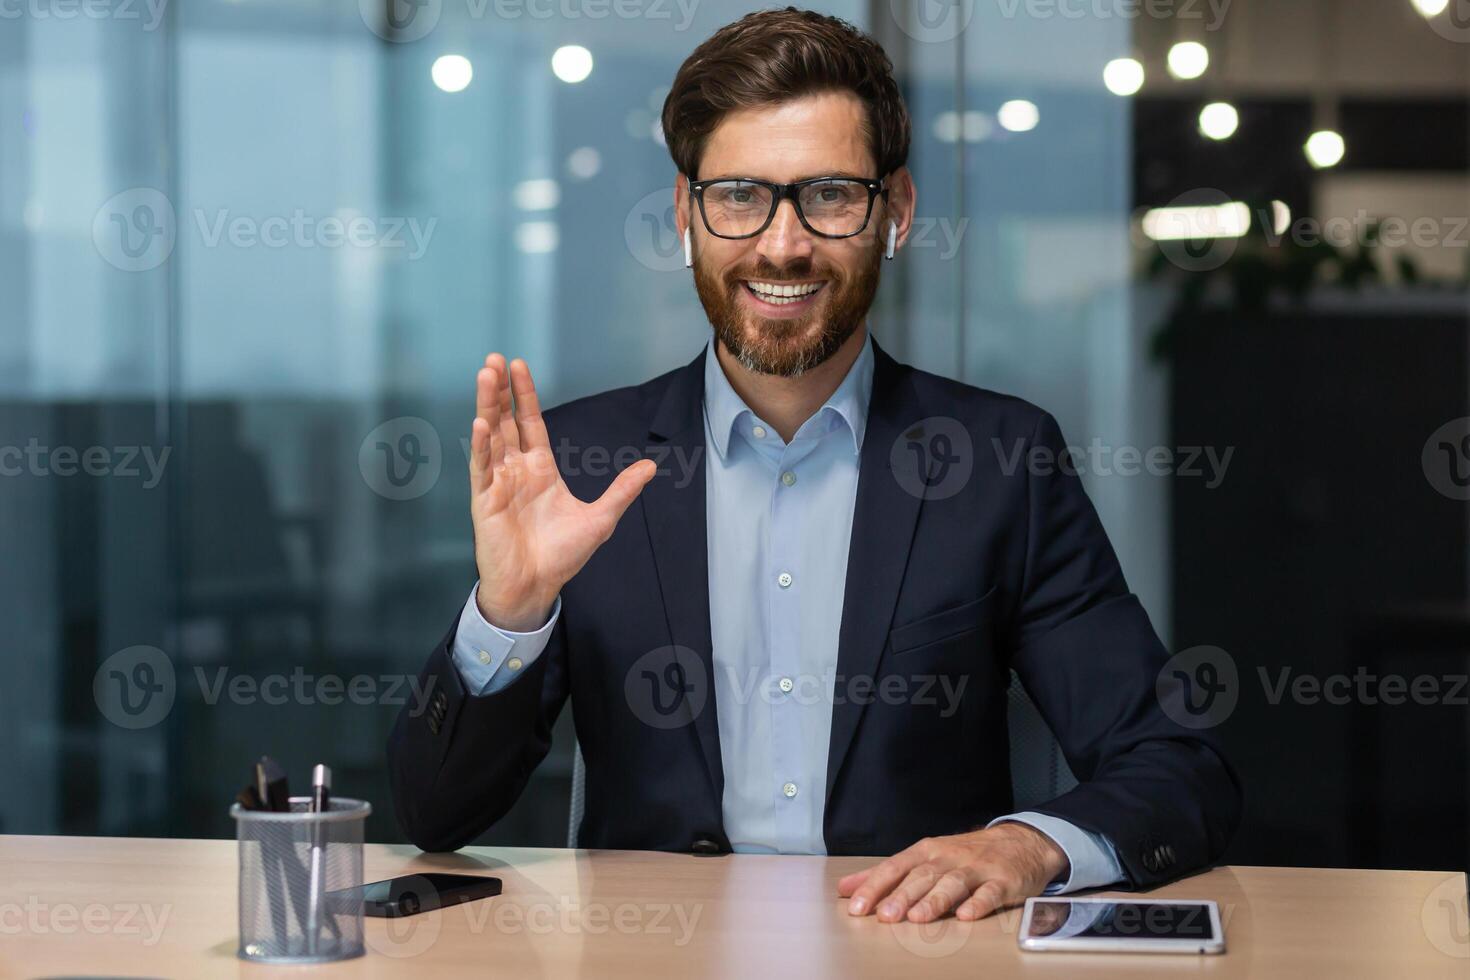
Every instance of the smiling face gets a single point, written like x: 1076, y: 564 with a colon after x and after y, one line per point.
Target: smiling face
x: 785, y: 300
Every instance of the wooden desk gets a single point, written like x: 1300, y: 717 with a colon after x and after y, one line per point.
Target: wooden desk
x: 83, y: 906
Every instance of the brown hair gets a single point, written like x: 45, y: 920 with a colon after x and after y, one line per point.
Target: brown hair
x: 772, y: 56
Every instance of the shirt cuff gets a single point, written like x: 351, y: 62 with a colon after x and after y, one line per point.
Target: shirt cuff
x: 487, y: 657
x: 1094, y: 863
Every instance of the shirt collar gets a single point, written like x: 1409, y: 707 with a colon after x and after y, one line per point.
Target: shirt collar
x: 723, y: 407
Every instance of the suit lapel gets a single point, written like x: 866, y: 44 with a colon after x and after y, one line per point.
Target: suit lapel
x: 674, y: 513
x: 883, y: 519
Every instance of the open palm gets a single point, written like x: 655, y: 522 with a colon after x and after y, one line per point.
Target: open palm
x: 531, y: 534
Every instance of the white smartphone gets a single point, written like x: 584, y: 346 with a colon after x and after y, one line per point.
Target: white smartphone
x: 1121, y: 925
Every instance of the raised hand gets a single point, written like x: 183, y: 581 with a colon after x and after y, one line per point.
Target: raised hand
x: 531, y: 534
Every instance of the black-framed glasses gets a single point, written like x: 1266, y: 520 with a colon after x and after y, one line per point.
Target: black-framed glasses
x: 743, y: 207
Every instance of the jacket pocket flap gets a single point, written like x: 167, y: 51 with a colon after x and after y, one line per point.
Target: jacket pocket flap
x: 941, y: 625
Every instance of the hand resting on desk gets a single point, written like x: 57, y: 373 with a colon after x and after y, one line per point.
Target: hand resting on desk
x: 974, y: 874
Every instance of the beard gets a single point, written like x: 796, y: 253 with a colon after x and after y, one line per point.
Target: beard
x: 787, y: 347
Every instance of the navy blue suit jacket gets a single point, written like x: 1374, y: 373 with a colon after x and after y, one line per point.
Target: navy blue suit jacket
x: 966, y: 560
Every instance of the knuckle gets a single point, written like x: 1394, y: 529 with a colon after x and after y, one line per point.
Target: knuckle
x: 1001, y: 881
x: 955, y: 876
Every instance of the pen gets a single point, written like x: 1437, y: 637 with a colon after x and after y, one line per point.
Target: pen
x: 321, y: 789
x: 321, y: 783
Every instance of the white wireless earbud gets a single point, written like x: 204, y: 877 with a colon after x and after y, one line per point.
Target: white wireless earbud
x: 688, y: 250
x: 892, y: 238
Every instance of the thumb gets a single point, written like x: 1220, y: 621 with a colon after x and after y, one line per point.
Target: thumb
x: 624, y: 490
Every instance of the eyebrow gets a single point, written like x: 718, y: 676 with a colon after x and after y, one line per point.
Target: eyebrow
x: 825, y: 173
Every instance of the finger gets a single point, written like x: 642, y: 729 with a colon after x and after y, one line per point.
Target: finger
x: 624, y: 490
x: 480, y: 471
x: 528, y: 408
x: 482, y: 428
x: 492, y: 418
x: 508, y: 432
x: 484, y: 390
x: 848, y: 884
x: 952, y: 888
x: 986, y: 899
x: 915, y: 885
x: 880, y: 880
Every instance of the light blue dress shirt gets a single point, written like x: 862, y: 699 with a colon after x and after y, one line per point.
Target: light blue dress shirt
x: 779, y: 518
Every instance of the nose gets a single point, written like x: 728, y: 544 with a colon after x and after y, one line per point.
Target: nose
x: 785, y: 241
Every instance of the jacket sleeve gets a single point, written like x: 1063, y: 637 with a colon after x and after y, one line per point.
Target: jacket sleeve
x: 460, y: 764
x: 1083, y: 646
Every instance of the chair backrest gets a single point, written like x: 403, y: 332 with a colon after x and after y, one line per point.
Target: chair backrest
x: 579, y: 794
x: 1039, y: 772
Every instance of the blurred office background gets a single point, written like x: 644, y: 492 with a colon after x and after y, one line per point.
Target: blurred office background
x: 252, y: 252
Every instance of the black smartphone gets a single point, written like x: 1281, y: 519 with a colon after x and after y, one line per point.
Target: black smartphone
x: 395, y: 898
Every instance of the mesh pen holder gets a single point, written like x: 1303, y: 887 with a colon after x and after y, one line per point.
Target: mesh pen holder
x: 300, y: 881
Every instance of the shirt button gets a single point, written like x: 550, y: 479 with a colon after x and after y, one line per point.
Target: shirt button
x: 759, y: 432
x: 484, y: 657
x: 786, y: 685
x: 788, y: 478
x: 514, y: 663
x: 784, y: 580
x: 789, y: 790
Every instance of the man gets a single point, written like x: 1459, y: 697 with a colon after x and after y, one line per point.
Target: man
x: 790, y: 626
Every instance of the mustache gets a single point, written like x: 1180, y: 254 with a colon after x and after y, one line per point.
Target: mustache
x: 770, y: 273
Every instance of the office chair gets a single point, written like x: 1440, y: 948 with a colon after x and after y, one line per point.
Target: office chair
x: 1039, y: 772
